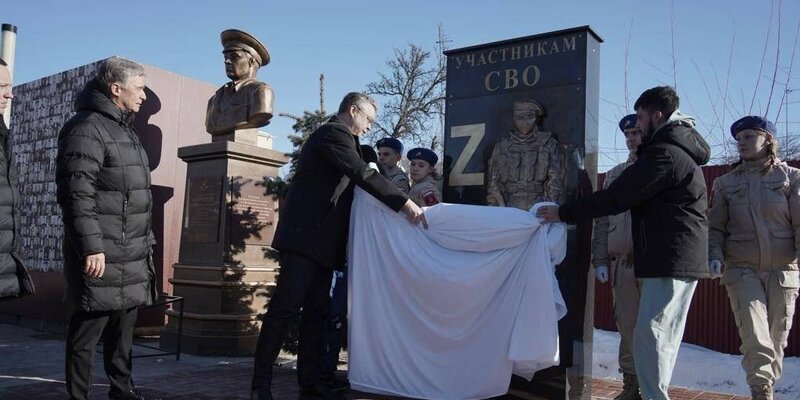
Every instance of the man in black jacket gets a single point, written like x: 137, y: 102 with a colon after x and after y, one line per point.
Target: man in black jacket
x: 14, y: 279
x: 666, y: 194
x: 311, y: 236
x: 103, y: 188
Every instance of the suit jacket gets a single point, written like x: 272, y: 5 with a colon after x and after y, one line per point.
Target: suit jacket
x: 315, y: 215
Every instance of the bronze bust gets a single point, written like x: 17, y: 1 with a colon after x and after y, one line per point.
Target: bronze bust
x: 244, y: 102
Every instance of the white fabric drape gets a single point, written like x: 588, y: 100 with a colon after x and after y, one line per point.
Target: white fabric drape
x: 450, y: 312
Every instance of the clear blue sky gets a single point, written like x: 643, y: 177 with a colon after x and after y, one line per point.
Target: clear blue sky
x: 350, y: 41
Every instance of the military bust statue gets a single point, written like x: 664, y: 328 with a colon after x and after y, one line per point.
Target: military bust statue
x: 243, y: 102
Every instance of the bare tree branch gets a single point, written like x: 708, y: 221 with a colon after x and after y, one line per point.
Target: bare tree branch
x: 763, y: 57
x: 625, y: 75
x: 777, y: 60
x: 412, y: 89
x: 672, y: 39
x: 787, y: 89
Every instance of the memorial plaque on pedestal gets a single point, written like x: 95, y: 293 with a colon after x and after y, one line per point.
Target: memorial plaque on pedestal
x: 252, y: 212
x: 201, y: 221
x: 521, y: 128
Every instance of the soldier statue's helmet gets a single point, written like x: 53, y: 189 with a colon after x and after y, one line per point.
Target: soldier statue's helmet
x: 753, y: 122
x: 628, y: 122
x: 523, y: 104
x: 421, y: 153
x: 234, y: 39
x: 391, y: 143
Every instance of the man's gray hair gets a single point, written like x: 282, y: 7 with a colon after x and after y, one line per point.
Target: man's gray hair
x: 117, y: 70
x: 357, y: 99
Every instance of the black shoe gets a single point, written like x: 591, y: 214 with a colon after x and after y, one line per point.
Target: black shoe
x: 260, y: 394
x: 336, y: 384
x: 132, y: 394
x: 318, y: 391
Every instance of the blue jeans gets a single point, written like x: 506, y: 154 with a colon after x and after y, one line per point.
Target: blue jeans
x: 663, y: 307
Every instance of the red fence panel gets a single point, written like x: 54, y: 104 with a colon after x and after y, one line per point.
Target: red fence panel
x: 710, y: 322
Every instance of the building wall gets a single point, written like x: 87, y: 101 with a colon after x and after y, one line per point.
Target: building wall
x: 172, y: 116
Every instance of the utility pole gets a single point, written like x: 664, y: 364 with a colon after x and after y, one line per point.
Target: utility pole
x: 322, y: 93
x: 442, y: 47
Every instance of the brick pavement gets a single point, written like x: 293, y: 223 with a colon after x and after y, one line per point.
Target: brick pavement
x: 31, y: 368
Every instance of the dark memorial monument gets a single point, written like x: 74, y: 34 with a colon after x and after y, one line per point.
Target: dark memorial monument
x: 223, y: 268
x: 521, y: 128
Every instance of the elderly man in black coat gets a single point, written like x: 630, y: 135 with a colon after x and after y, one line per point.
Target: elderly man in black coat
x: 14, y: 279
x: 311, y: 236
x: 103, y: 188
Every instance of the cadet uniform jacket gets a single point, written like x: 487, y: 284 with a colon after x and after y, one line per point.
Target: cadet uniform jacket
x: 398, y: 177
x: 425, y: 192
x: 754, y: 220
x: 612, y: 234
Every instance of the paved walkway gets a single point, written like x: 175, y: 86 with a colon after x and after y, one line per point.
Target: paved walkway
x: 32, y: 363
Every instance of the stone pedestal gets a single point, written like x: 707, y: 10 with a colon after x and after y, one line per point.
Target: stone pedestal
x: 244, y: 136
x: 225, y: 269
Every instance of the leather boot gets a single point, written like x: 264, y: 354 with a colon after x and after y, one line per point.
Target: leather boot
x: 630, y: 388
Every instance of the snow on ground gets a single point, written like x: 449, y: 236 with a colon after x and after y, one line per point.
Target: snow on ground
x: 698, y: 368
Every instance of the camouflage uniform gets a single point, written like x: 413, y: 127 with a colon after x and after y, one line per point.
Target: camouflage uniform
x: 525, y: 170
x: 754, y: 229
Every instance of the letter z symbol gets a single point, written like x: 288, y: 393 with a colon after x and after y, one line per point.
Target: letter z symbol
x: 475, y: 133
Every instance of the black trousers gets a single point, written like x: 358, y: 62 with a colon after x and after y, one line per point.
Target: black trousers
x: 302, y: 284
x: 85, y: 330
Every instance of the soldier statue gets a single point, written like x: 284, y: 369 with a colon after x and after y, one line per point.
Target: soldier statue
x: 527, y: 167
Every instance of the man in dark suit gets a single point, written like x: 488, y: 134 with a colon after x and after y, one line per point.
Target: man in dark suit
x: 311, y: 236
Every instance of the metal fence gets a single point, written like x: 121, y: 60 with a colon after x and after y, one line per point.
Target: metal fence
x: 710, y: 323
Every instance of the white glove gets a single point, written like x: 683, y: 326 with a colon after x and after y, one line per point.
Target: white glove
x: 601, y: 273
x: 715, y: 268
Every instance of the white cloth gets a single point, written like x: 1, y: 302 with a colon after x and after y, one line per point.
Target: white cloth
x: 450, y: 312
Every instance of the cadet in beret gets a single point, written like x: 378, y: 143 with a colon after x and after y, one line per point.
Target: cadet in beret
x: 753, y: 232
x: 390, y: 151
x: 243, y: 102
x: 425, y: 190
x: 612, y: 245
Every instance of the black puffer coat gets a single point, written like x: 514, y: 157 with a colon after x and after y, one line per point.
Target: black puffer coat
x: 666, y: 193
x: 103, y: 182
x: 14, y: 279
